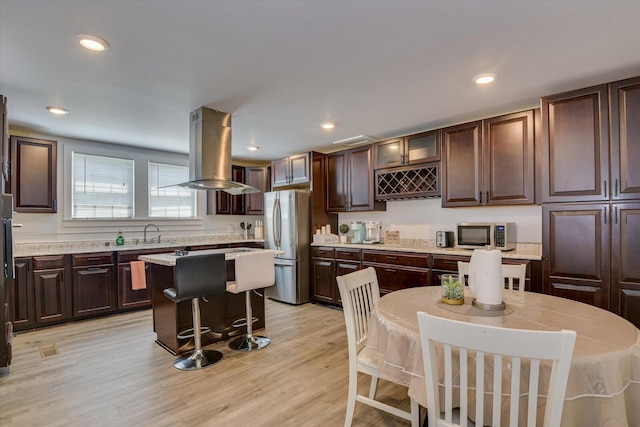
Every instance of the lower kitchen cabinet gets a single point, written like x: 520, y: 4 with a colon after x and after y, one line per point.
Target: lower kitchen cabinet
x: 398, y: 270
x: 94, y: 290
x: 625, y: 268
x: 127, y: 296
x: 52, y: 290
x: 323, y: 274
x: 21, y: 294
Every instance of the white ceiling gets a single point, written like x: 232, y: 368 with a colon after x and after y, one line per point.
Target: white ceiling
x: 379, y: 68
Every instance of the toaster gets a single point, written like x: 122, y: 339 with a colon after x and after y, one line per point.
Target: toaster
x: 444, y: 239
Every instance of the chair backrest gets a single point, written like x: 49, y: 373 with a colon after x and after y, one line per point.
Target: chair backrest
x: 197, y: 276
x: 523, y: 349
x: 255, y: 270
x: 509, y: 273
x: 514, y: 271
x: 359, y: 292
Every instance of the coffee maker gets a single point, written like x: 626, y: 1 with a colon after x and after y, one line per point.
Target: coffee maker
x: 373, y: 231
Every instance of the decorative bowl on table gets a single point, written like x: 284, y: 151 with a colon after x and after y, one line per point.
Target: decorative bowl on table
x: 452, y: 289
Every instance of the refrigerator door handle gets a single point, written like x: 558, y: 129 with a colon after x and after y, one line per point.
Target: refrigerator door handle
x: 277, y: 222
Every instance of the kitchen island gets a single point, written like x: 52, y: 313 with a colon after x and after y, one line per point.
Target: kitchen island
x: 217, y: 312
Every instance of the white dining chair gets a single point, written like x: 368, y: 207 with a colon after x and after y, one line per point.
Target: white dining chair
x: 510, y: 272
x: 522, y: 352
x: 360, y: 293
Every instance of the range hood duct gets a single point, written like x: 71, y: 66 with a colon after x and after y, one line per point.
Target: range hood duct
x: 210, y: 153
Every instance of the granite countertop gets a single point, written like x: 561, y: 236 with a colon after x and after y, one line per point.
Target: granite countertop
x: 88, y: 246
x: 532, y: 251
x: 169, y: 259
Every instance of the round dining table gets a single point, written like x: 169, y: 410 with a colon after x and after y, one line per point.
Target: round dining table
x: 604, y: 380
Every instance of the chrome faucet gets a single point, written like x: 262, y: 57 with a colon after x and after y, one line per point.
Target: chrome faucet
x: 144, y: 239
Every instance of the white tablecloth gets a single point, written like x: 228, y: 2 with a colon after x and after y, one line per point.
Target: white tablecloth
x: 604, y: 380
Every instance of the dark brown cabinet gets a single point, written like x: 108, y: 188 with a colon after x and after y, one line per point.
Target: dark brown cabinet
x: 127, y: 296
x: 323, y: 274
x: 292, y: 170
x: 225, y: 203
x: 408, y: 150
x: 625, y: 268
x: 575, y: 148
x: 489, y: 162
x: 52, y: 290
x: 398, y: 270
x: 21, y: 295
x: 94, y: 290
x: 576, y: 254
x: 349, y: 178
x: 33, y: 174
x: 624, y: 107
x: 257, y: 177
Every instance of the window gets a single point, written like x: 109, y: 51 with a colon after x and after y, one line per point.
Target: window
x: 102, y: 187
x: 170, y: 202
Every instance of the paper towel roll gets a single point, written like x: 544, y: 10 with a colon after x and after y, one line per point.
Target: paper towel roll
x: 485, y: 276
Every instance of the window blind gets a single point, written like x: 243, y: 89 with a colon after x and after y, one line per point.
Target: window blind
x: 170, y: 202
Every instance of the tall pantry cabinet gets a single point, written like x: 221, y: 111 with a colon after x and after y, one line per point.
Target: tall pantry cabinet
x: 591, y: 196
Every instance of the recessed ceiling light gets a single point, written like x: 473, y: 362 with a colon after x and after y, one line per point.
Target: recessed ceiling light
x: 253, y: 147
x: 328, y: 125
x: 485, y: 78
x: 57, y: 110
x: 92, y: 42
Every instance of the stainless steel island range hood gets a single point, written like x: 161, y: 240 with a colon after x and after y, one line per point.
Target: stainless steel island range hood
x: 210, y: 153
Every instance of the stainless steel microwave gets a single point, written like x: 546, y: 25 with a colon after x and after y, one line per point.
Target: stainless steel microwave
x: 497, y: 235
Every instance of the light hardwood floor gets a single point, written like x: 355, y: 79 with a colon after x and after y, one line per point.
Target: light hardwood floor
x: 110, y: 372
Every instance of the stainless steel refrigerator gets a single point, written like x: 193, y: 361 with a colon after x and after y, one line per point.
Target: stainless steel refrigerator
x: 287, y: 227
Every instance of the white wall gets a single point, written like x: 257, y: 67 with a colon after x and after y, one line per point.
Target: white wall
x: 45, y: 227
x: 420, y: 219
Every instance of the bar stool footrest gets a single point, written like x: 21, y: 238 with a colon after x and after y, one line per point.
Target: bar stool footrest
x: 188, y: 333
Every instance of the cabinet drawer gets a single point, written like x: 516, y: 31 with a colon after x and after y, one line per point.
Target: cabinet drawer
x: 48, y: 262
x: 322, y: 252
x: 396, y: 258
x: 449, y: 263
x: 98, y: 258
x: 393, y: 279
x: 348, y: 254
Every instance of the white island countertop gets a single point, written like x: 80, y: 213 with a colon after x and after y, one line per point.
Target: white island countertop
x: 169, y: 259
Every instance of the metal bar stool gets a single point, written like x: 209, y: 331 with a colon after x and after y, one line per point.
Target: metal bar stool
x: 254, y: 270
x: 197, y: 276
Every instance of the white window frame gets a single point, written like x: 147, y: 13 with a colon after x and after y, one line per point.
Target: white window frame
x: 179, y: 191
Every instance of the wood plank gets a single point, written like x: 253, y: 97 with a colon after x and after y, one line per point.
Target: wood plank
x: 111, y: 372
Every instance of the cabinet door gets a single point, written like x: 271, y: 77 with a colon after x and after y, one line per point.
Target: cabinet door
x: 342, y: 268
x: 575, y: 244
x: 360, y: 179
x: 624, y: 98
x: 508, y: 150
x: 336, y: 179
x: 93, y: 290
x: 226, y: 204
x: 575, y: 146
x: 127, y: 296
x: 256, y: 177
x: 462, y: 165
x: 33, y: 174
x: 422, y: 148
x: 300, y: 165
x: 388, y: 154
x: 21, y: 295
x: 625, y: 268
x: 51, y: 302
x: 323, y: 279
x: 393, y: 277
x: 280, y: 172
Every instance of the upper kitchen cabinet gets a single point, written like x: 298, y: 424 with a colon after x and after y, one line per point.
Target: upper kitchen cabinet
x: 575, y: 146
x: 624, y: 107
x: 225, y: 203
x: 291, y: 170
x: 33, y: 174
x: 349, y: 178
x: 409, y: 150
x: 257, y: 177
x: 489, y: 162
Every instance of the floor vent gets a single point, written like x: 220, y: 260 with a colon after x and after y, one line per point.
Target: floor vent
x: 47, y: 350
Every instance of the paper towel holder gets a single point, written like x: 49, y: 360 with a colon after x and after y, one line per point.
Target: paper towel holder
x: 488, y: 307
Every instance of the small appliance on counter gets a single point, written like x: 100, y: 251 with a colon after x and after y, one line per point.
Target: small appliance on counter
x: 444, y: 239
x: 358, y: 232
x: 373, y: 230
x: 497, y: 235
